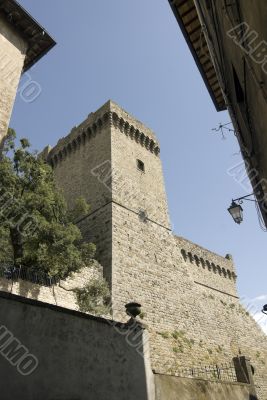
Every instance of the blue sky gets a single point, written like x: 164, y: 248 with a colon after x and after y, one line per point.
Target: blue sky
x: 133, y: 53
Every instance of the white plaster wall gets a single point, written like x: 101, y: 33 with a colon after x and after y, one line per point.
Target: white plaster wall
x: 12, y: 55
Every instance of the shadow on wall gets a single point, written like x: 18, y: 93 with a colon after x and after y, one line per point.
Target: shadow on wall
x: 49, y: 352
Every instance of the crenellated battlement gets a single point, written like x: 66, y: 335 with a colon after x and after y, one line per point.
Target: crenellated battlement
x: 201, y: 257
x: 208, y: 269
x: 216, y: 269
x: 108, y: 115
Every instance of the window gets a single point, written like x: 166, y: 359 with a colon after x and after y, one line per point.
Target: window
x: 208, y: 4
x: 141, y: 165
x: 233, y: 12
x: 238, y: 88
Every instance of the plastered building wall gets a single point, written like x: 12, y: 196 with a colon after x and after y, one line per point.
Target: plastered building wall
x: 189, y: 296
x: 173, y: 388
x: 79, y: 356
x: 240, y: 35
x: 12, y: 54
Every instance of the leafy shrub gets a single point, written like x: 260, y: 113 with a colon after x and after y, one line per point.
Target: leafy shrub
x: 94, y: 297
x: 179, y: 349
x: 165, y: 335
x: 178, y: 334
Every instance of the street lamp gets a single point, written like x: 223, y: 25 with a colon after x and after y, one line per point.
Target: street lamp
x: 264, y: 310
x: 236, y: 210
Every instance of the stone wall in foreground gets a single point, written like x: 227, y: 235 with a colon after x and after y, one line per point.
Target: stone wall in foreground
x: 78, y: 356
x: 173, y: 388
x: 49, y: 352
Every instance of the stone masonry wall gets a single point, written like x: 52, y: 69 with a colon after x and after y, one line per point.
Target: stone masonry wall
x: 62, y: 294
x: 97, y: 228
x: 85, y: 166
x: 74, y: 161
x: 207, y: 268
x: 189, y: 324
x: 82, y: 167
x: 188, y: 293
x: 12, y: 54
x: 133, y: 188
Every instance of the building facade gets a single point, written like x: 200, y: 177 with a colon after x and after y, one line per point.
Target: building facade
x: 22, y: 43
x: 228, y: 40
x: 189, y: 296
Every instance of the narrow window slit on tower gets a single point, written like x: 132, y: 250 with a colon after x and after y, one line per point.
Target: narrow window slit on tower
x: 140, y: 165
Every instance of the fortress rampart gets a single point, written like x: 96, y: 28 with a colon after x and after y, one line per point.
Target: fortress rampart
x: 208, y: 268
x: 188, y: 293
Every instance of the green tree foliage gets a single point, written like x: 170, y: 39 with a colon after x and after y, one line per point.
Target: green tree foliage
x: 36, y: 228
x: 94, y: 297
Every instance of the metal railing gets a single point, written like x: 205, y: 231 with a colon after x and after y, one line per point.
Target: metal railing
x: 225, y: 372
x: 13, y: 273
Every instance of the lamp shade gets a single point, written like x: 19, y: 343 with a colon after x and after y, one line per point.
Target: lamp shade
x: 236, y: 212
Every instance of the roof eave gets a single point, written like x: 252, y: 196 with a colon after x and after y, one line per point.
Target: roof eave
x: 195, y: 56
x: 10, y: 6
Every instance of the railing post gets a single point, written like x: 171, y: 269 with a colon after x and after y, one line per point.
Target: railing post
x: 244, y: 373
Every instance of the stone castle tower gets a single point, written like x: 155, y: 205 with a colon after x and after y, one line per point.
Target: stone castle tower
x: 188, y: 293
